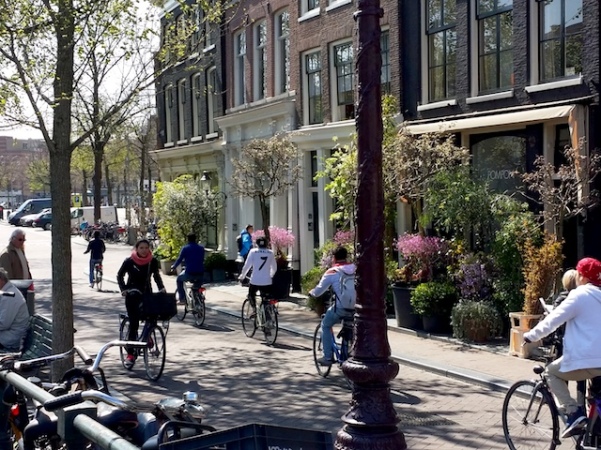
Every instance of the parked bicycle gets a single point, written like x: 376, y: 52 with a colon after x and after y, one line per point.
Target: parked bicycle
x: 98, y: 276
x: 342, y: 342
x: 153, y: 335
x: 264, y: 318
x: 195, y: 302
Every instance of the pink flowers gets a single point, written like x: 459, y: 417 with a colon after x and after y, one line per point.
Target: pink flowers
x: 281, y: 238
x: 422, y: 255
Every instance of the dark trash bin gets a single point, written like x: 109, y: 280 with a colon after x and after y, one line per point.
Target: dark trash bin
x: 256, y: 437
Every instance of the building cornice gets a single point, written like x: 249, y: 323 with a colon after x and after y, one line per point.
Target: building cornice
x: 197, y: 148
x: 282, y: 105
x: 323, y: 134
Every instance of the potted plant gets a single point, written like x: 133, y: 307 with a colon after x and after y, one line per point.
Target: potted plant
x: 475, y: 321
x: 215, y: 263
x: 434, y: 301
x: 423, y: 257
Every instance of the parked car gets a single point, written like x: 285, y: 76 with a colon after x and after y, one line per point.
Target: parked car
x: 27, y: 221
x: 44, y: 221
x: 33, y: 206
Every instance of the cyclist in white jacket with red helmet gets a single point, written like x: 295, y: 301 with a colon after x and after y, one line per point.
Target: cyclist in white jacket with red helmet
x: 581, y: 359
x: 262, y: 262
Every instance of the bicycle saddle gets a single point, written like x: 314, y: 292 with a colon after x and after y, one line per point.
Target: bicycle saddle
x: 117, y: 419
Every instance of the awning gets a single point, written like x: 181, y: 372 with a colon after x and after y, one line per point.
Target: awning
x: 492, y: 120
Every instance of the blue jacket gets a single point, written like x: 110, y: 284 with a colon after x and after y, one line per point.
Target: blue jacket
x: 194, y: 256
x: 247, y: 243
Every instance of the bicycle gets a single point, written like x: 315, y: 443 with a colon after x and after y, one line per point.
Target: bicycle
x: 98, y: 276
x: 530, y: 406
x: 195, y: 302
x: 264, y: 318
x: 342, y: 343
x: 155, y: 351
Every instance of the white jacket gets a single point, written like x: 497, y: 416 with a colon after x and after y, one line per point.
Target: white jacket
x: 581, y: 312
x: 263, y: 264
x: 14, y: 318
x: 331, y: 279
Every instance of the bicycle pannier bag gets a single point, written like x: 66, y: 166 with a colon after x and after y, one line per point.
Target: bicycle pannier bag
x: 160, y: 306
x: 348, y: 294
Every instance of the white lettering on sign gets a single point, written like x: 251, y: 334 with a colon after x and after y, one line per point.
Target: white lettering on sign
x: 499, y: 174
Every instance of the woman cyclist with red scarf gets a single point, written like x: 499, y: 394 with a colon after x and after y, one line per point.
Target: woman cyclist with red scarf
x: 138, y: 267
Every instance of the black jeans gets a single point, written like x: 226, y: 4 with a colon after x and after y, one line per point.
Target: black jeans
x: 253, y: 289
x: 133, y: 302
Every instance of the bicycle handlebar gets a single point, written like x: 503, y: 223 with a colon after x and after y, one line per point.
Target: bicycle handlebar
x: 81, y: 396
x: 10, y: 362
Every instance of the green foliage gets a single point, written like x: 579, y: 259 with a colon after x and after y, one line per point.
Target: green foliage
x: 162, y: 252
x: 215, y: 261
x: 474, y: 320
x: 516, y: 225
x: 460, y: 205
x: 38, y: 174
x: 434, y: 298
x: 309, y: 280
x: 182, y: 208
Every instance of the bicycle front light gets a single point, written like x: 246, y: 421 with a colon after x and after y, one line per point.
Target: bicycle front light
x: 190, y: 396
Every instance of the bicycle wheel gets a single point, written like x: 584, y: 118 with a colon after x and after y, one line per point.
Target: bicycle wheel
x: 249, y: 319
x: 271, y: 324
x: 182, y: 308
x: 155, y: 353
x: 530, y: 417
x: 324, y: 371
x: 123, y: 333
x: 199, y: 309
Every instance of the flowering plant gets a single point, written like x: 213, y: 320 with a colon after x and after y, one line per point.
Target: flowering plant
x: 475, y: 278
x: 423, y: 256
x: 341, y: 238
x: 280, y: 239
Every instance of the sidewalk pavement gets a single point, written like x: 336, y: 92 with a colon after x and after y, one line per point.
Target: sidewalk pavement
x: 486, y: 366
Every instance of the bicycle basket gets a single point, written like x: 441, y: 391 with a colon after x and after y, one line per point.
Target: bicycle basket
x: 159, y: 306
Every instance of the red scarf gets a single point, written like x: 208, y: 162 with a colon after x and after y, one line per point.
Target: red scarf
x: 139, y: 260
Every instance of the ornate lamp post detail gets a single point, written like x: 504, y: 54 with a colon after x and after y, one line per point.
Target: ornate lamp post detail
x: 371, y: 422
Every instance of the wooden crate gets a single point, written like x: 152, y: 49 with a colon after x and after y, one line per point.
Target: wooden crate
x: 524, y: 322
x: 516, y: 338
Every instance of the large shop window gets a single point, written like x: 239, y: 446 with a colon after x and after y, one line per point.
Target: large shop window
x: 496, y: 159
x: 442, y: 48
x: 495, y: 41
x: 561, y: 34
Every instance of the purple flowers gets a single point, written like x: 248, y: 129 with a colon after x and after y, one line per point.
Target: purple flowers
x: 423, y: 255
x: 475, y: 278
x: 344, y: 237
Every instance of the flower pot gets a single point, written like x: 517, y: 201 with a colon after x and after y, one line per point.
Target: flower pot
x: 165, y: 265
x: 282, y: 280
x: 520, y: 324
x: 403, y: 311
x: 475, y: 331
x: 435, y: 324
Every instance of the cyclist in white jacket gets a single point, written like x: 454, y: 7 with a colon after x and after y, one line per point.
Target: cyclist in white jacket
x: 262, y: 262
x: 581, y: 359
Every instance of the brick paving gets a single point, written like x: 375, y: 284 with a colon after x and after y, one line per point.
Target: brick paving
x: 243, y: 381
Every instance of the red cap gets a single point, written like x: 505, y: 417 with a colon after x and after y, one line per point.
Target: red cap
x: 590, y: 268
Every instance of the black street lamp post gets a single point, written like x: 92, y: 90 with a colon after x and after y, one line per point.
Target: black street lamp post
x: 371, y: 422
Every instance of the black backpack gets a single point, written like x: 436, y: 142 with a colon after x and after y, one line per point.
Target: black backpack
x: 239, y: 242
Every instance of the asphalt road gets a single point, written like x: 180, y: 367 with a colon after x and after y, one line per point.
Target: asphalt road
x: 242, y: 380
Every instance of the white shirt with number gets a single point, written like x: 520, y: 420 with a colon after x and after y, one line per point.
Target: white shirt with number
x: 263, y: 264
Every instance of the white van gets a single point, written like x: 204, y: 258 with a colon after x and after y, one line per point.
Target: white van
x: 86, y: 213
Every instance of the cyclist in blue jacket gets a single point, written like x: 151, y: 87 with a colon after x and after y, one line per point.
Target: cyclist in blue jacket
x: 193, y: 254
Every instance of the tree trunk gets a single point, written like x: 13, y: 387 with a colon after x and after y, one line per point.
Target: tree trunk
x: 265, y: 218
x: 60, y: 165
x: 84, y: 188
x: 97, y: 177
x: 109, y: 186
x: 141, y: 187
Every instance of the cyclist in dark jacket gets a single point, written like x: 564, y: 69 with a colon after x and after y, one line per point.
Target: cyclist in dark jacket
x: 193, y: 255
x: 138, y: 268
x: 96, y: 248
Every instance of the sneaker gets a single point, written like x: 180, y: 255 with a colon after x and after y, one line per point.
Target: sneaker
x: 181, y: 302
x: 129, y: 361
x: 575, y: 422
x: 323, y: 361
x: 92, y: 285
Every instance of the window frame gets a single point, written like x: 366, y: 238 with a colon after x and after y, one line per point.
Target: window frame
x: 282, y: 53
x: 316, y: 117
x: 181, y: 109
x: 342, y: 111
x: 168, y: 116
x: 239, y: 67
x: 385, y: 75
x: 429, y: 32
x: 212, y: 103
x: 196, y: 105
x: 260, y: 60
x: 540, y: 13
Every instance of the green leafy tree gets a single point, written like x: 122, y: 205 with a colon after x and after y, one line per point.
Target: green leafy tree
x: 82, y: 164
x: 266, y: 168
x: 38, y: 174
x: 182, y: 208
